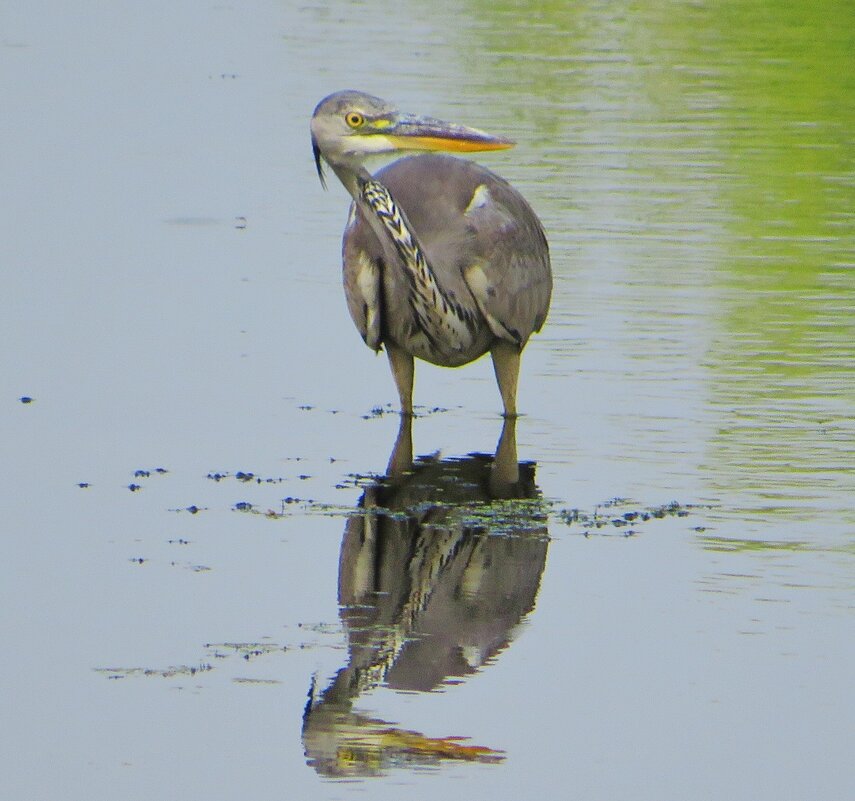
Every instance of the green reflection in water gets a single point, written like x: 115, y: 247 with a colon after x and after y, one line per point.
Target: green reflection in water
x: 711, y: 146
x: 782, y: 361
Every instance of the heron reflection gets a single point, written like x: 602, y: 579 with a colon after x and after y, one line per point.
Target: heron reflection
x: 439, y: 564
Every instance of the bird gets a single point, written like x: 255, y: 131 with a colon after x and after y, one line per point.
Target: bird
x: 443, y: 260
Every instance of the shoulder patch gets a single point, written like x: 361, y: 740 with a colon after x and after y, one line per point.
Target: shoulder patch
x: 480, y: 198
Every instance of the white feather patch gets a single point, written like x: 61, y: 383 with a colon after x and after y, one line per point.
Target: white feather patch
x: 480, y: 198
x: 368, y: 284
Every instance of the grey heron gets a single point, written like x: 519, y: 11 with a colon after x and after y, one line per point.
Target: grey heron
x: 443, y: 259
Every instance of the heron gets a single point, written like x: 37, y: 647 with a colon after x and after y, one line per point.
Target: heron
x: 443, y: 260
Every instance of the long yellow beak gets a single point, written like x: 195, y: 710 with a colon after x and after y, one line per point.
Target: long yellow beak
x: 410, y: 132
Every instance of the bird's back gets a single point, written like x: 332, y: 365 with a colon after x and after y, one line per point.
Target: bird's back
x: 482, y: 240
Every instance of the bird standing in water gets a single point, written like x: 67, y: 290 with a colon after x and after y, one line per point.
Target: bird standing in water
x: 443, y: 259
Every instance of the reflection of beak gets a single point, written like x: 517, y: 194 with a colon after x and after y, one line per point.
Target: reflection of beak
x: 348, y: 744
x: 409, y: 132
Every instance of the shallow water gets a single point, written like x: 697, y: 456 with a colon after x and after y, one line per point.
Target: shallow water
x: 664, y: 611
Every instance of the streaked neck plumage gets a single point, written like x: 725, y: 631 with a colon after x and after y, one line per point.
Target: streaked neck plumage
x: 446, y: 323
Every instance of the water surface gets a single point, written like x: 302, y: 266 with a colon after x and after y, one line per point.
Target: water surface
x: 663, y: 608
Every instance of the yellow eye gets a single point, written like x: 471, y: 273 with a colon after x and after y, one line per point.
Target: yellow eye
x: 354, y: 119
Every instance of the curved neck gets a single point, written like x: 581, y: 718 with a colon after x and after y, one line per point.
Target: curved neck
x: 351, y: 178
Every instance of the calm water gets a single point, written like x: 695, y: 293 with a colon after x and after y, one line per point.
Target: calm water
x: 664, y: 609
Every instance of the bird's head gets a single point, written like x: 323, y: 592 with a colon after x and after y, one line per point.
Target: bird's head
x: 349, y: 127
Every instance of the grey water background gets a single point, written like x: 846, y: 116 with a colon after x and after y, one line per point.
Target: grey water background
x: 170, y: 298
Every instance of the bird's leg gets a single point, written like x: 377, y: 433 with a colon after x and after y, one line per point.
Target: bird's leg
x: 506, y: 363
x: 505, y: 473
x: 401, y: 458
x: 403, y: 368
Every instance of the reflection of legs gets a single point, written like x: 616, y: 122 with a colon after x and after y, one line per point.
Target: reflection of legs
x: 505, y: 474
x: 506, y: 363
x: 402, y: 366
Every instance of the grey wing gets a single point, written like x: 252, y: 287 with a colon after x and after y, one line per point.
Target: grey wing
x: 507, y: 265
x: 362, y: 275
